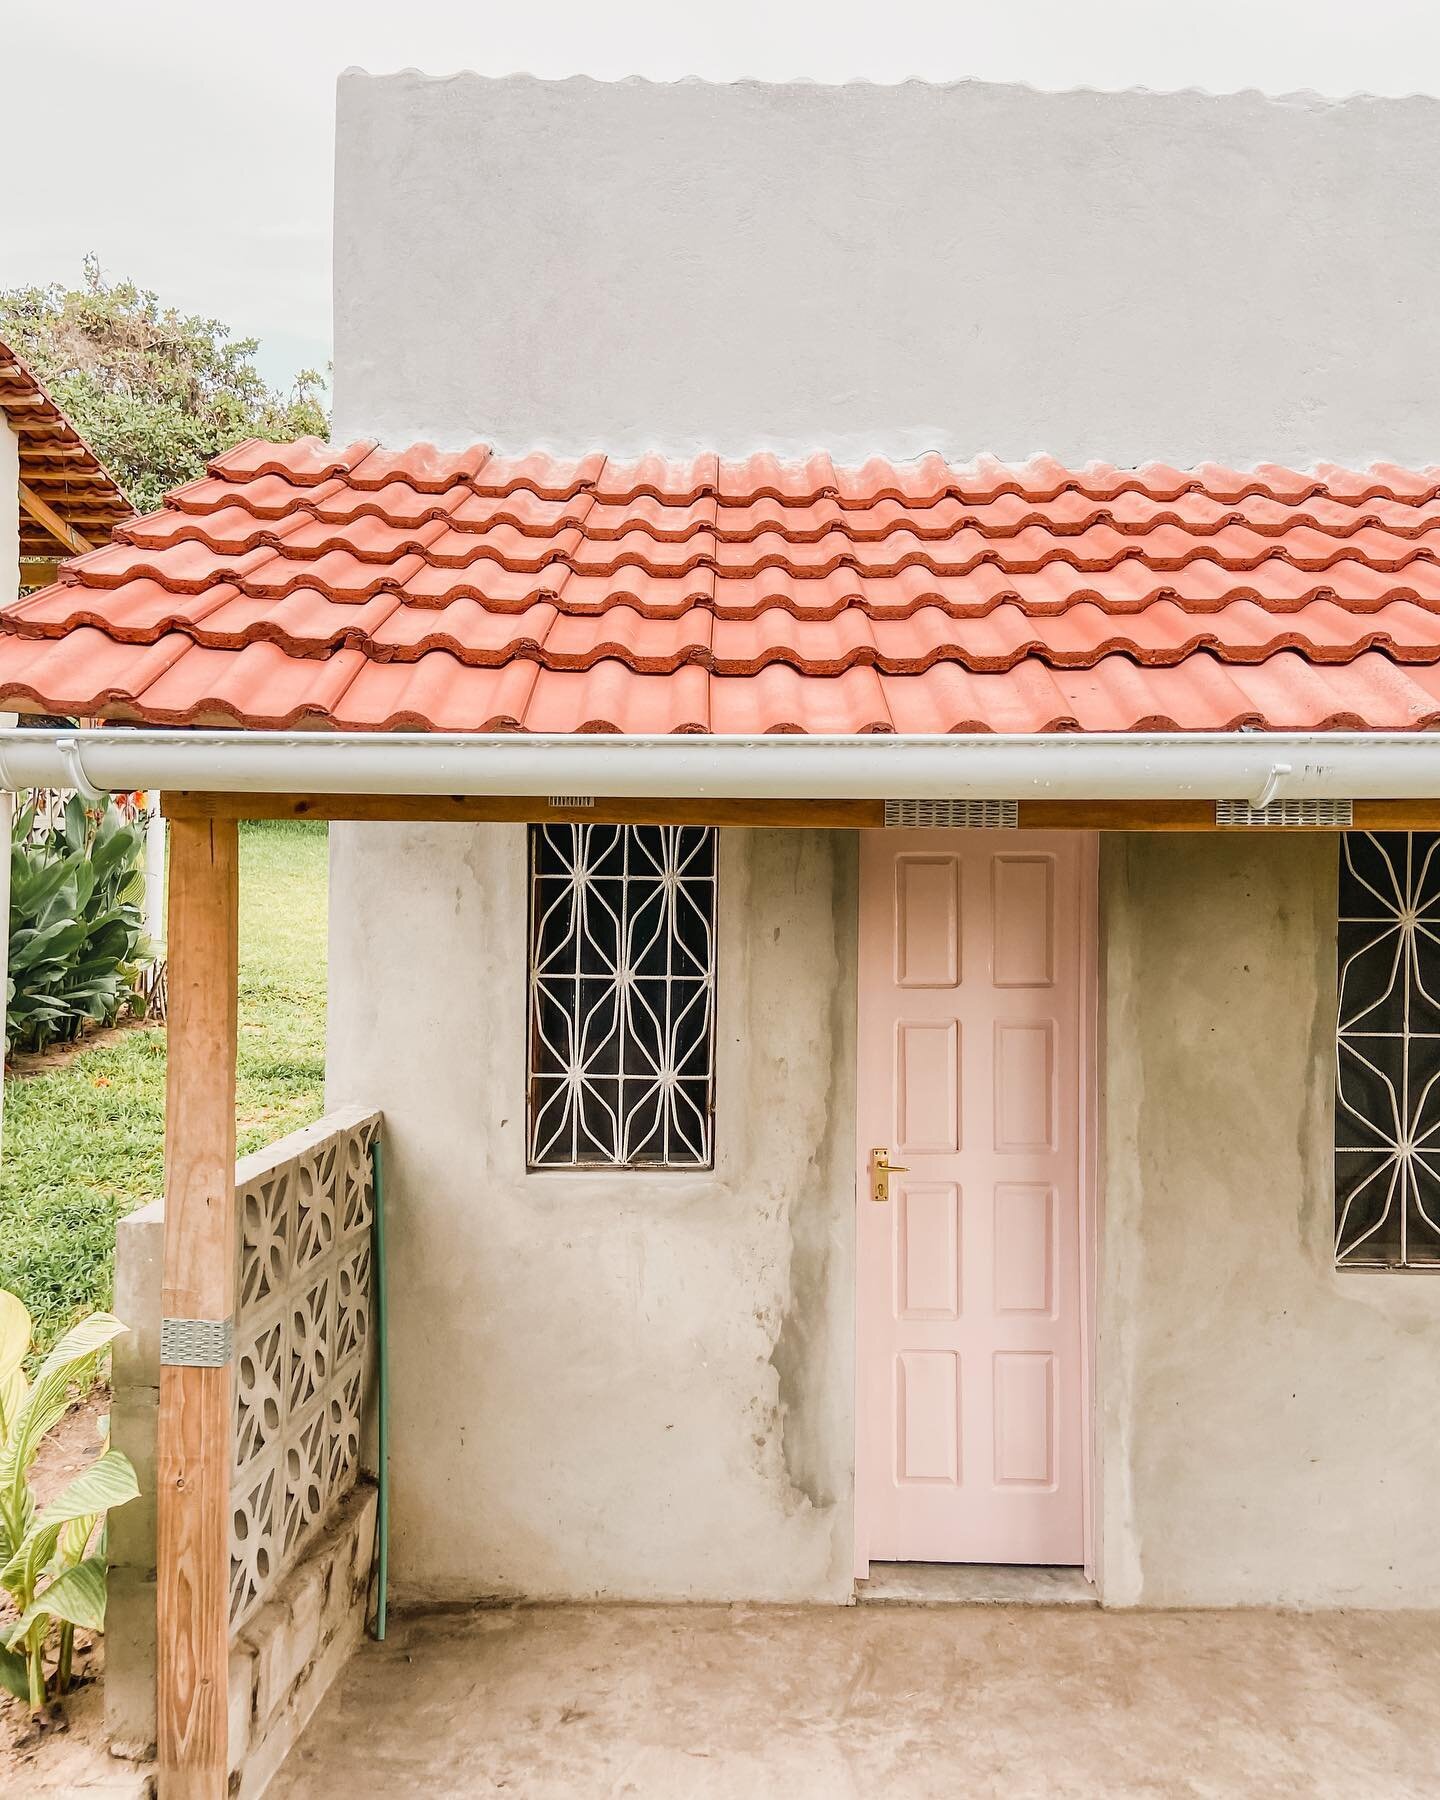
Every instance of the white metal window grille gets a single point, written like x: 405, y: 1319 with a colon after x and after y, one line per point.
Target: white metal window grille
x: 622, y: 996
x: 1387, y: 1098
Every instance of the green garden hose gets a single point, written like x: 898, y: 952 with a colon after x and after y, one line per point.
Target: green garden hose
x: 382, y: 1353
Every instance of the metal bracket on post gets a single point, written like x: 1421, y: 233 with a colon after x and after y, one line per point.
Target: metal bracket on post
x: 196, y: 1343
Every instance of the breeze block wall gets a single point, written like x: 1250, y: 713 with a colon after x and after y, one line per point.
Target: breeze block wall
x: 302, y: 1528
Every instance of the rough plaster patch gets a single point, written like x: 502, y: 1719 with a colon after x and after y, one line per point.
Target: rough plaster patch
x: 801, y: 1353
x: 1315, y: 1212
x: 1284, y: 1428
x: 605, y: 1338
x: 1121, y: 1259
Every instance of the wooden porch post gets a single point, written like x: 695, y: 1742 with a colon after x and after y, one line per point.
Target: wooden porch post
x: 194, y: 1428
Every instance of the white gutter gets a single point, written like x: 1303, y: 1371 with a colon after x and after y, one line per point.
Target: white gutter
x: 1257, y: 767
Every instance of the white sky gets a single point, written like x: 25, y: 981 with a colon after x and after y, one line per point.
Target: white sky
x: 189, y: 143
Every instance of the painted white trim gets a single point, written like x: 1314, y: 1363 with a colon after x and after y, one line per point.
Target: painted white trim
x: 155, y: 834
x: 1053, y: 766
x: 1091, y: 1472
x: 1087, y: 1171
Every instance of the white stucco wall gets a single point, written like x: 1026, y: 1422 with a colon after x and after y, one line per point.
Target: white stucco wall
x: 638, y: 266
x: 1270, y: 1427
x: 630, y: 1385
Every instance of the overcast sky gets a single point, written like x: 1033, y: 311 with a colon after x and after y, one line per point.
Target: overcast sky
x: 190, y: 144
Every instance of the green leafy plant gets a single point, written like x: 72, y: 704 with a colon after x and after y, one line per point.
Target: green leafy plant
x: 52, y: 1557
x: 76, y: 927
x: 157, y: 392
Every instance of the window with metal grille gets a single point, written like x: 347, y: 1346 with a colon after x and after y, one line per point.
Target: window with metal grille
x: 622, y: 996
x: 1387, y: 1098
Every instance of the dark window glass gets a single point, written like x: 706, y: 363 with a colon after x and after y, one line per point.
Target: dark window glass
x: 622, y: 996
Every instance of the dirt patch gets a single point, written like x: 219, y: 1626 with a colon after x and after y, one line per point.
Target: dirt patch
x: 74, y: 1443
x: 60, y: 1753
x: 24, y: 1063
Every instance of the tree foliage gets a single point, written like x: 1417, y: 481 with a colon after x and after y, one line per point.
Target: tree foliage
x: 155, y: 391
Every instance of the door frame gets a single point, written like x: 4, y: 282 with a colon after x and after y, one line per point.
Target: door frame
x: 1088, y: 1160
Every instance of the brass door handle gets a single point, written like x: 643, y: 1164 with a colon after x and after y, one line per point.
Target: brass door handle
x: 881, y: 1169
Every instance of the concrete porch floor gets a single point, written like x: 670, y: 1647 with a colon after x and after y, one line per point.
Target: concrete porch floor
x: 909, y: 1703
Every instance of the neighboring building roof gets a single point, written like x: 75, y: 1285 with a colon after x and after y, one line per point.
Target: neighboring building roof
x: 69, y: 501
x: 365, y: 589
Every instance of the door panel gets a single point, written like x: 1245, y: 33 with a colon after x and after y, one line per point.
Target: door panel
x: 970, y: 1430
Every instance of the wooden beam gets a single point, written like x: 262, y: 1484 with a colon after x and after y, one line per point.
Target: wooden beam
x: 471, y: 809
x: 819, y: 815
x: 1397, y: 815
x: 1117, y: 815
x: 37, y: 571
x: 44, y: 514
x: 1199, y: 815
x: 193, y: 1444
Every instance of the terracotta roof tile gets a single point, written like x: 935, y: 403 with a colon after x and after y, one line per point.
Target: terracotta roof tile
x: 374, y: 589
x: 58, y: 468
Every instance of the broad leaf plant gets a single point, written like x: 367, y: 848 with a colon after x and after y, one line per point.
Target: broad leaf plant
x: 76, y: 932
x: 52, y: 1557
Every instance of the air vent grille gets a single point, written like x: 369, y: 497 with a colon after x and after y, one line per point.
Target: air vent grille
x: 964, y: 815
x: 1335, y: 814
x: 570, y: 802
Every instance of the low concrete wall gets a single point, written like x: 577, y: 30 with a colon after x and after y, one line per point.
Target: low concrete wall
x: 629, y: 1385
x: 1270, y: 1428
x: 310, y: 1616
x: 283, y: 1662
x: 135, y: 1378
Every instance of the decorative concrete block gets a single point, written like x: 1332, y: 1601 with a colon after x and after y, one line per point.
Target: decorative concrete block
x: 303, y: 1211
x: 286, y: 1636
x: 290, y: 1652
x: 302, y: 1331
x: 267, y: 1754
x: 241, y: 1700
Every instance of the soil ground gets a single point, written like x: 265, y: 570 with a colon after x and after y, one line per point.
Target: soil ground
x: 68, y: 1748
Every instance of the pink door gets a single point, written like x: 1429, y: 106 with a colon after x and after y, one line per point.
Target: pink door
x: 970, y: 1377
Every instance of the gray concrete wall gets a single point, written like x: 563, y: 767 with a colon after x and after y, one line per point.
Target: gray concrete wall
x: 623, y: 1385
x: 130, y: 1622
x: 636, y: 266
x: 1270, y: 1428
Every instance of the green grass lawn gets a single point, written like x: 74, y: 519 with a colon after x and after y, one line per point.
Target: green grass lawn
x: 83, y: 1142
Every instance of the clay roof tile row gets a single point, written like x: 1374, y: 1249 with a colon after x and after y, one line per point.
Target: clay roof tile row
x: 369, y: 589
x: 57, y: 466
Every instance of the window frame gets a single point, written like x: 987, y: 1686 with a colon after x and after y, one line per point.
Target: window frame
x: 1387, y: 1077
x: 644, y: 886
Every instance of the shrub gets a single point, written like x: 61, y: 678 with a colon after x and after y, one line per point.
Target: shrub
x: 76, y: 929
x: 52, y: 1557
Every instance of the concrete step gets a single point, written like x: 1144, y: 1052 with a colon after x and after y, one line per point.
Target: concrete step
x: 973, y: 1584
